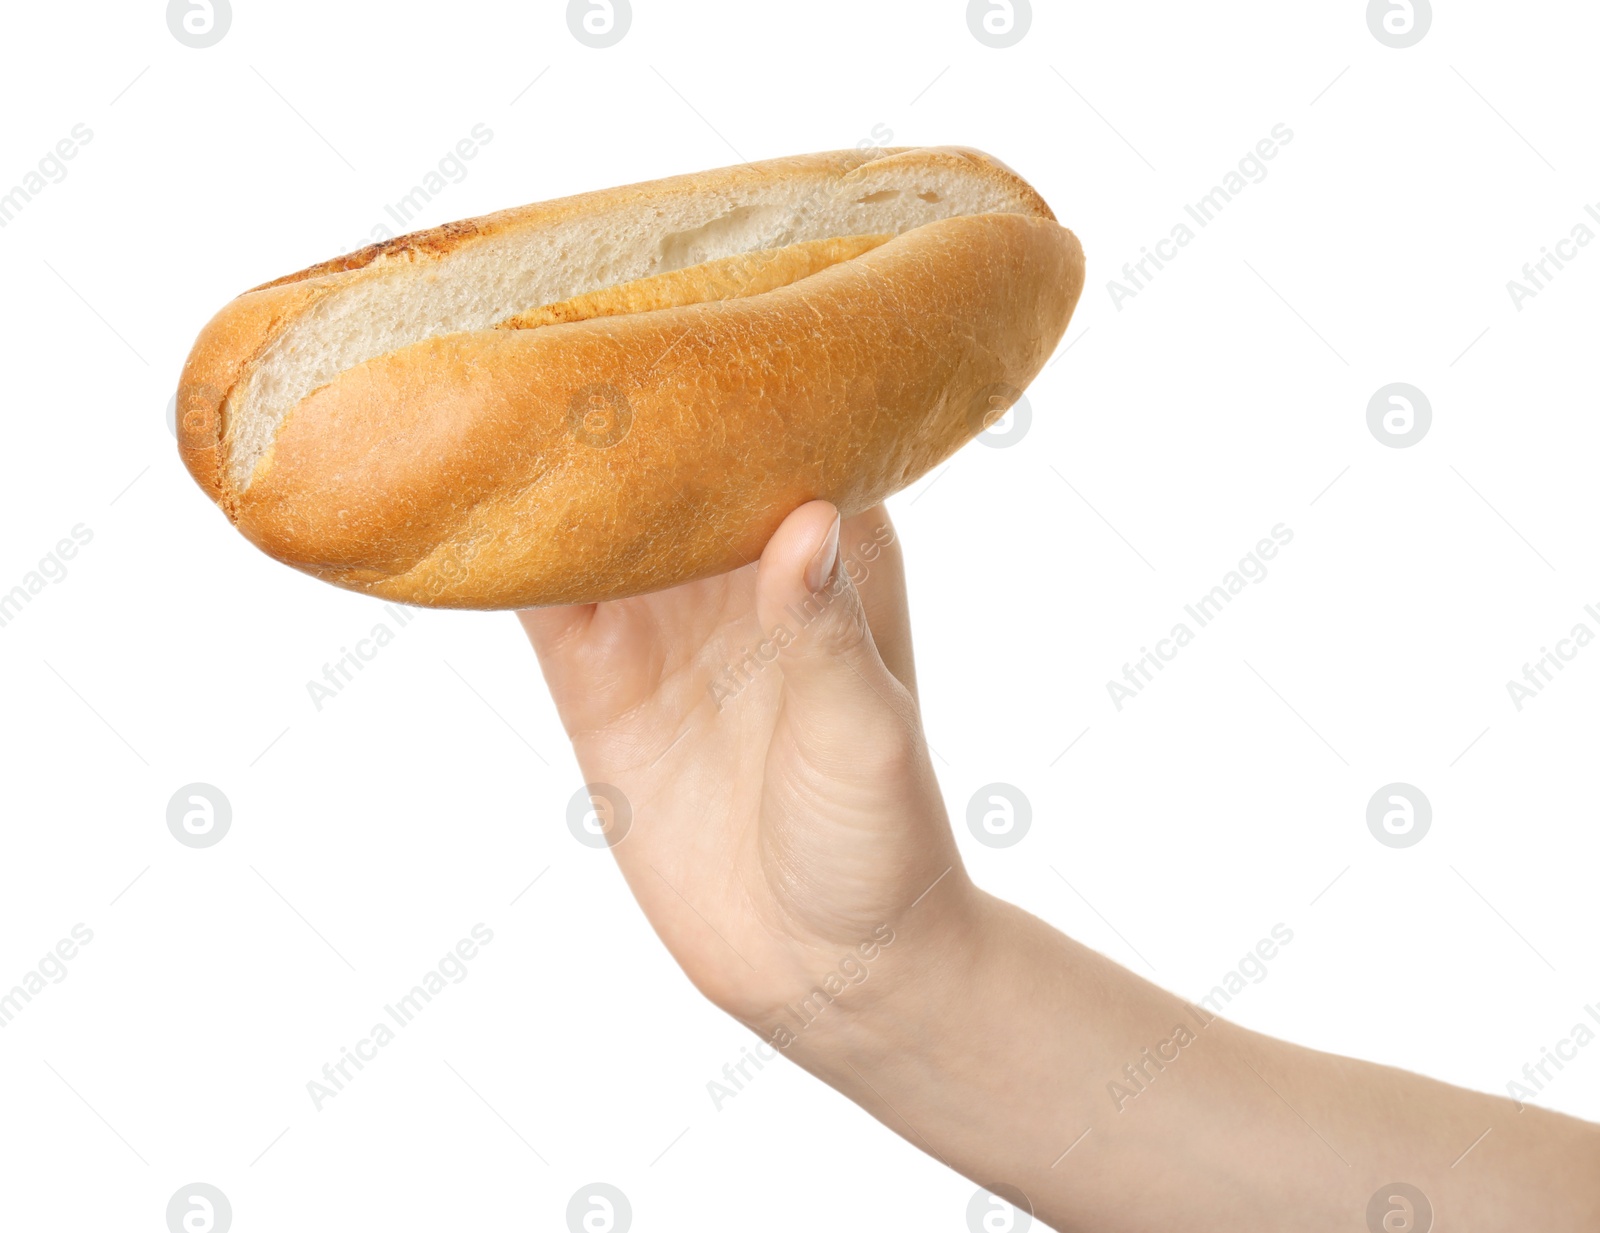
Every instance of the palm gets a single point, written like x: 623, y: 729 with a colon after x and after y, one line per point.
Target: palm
x: 756, y: 852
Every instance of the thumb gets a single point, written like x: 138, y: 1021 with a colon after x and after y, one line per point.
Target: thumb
x: 835, y: 683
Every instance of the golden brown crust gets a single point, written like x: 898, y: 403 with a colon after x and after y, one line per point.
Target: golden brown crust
x: 434, y: 242
x: 618, y: 455
x: 226, y: 346
x: 244, y: 328
x: 479, y: 469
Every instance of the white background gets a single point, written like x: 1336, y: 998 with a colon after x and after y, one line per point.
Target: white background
x: 1225, y: 398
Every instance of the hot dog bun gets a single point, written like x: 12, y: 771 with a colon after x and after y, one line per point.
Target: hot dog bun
x: 621, y: 391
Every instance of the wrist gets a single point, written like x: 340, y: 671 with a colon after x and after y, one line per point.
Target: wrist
x: 920, y: 990
x: 969, y: 1053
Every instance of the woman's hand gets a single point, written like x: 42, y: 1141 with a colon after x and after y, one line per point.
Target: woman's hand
x: 762, y: 729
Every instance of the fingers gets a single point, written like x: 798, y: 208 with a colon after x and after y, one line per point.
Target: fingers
x: 595, y: 656
x: 549, y: 628
x: 835, y: 682
x: 556, y: 633
x: 870, y: 550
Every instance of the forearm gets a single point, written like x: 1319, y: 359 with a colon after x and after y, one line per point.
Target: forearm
x: 1019, y: 1057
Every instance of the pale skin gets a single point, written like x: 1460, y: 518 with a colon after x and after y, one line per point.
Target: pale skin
x: 785, y: 814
